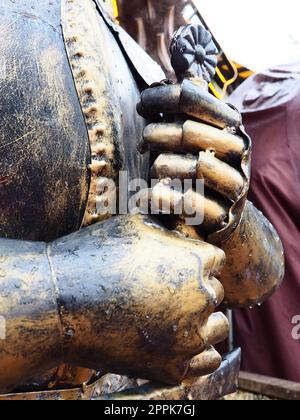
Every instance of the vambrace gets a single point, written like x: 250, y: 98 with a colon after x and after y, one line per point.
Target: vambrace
x: 255, y: 261
x: 124, y: 295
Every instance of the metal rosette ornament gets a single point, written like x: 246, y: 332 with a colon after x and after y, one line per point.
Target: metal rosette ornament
x: 194, y: 59
x: 193, y: 53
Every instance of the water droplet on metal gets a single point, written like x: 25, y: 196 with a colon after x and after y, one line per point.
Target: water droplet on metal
x: 70, y: 332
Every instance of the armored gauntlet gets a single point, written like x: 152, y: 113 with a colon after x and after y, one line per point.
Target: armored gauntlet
x: 196, y: 123
x: 125, y: 296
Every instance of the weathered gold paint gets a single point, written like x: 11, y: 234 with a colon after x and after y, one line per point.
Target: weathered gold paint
x: 221, y: 382
x: 193, y: 136
x: 175, y: 167
x: 211, y: 327
x: 219, y: 176
x: 198, y: 136
x: 213, y: 211
x: 204, y: 364
x: 141, y: 269
x: 148, y: 296
x: 255, y: 261
x: 28, y: 303
x: 191, y: 98
x: 86, y: 48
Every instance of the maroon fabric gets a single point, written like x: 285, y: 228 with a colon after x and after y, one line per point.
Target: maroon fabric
x: 270, y: 103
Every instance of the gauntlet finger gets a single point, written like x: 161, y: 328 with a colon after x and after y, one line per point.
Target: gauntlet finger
x: 217, y: 175
x: 192, y: 137
x: 227, y: 146
x: 163, y: 137
x: 205, y: 363
x: 200, y: 104
x: 217, y: 328
x: 218, y: 289
x: 190, y: 99
x: 164, y: 99
x: 209, y: 360
x: 175, y: 167
x: 171, y: 201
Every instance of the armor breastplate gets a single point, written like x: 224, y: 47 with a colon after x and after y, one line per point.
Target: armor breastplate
x: 43, y: 139
x: 53, y: 128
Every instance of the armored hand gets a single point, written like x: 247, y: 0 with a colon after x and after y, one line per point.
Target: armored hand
x: 131, y: 297
x: 203, y: 134
x: 205, y: 140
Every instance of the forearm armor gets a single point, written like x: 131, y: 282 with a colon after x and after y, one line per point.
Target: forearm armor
x: 108, y: 297
x: 254, y: 261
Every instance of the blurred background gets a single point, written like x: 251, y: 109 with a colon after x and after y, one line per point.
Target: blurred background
x: 258, y: 34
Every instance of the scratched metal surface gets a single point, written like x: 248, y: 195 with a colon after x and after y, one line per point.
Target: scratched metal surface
x: 44, y: 148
